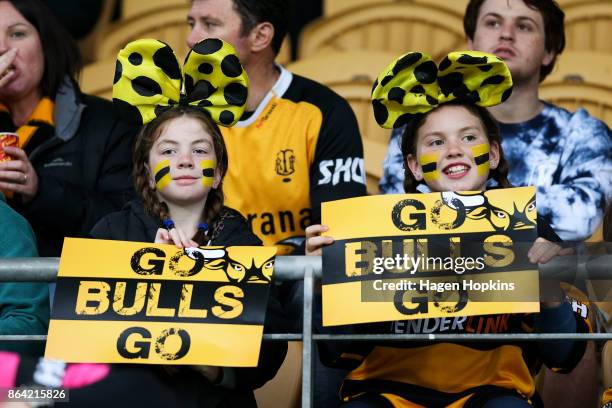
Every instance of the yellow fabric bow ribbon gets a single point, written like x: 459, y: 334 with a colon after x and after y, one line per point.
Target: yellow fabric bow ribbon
x: 149, y: 80
x: 413, y: 84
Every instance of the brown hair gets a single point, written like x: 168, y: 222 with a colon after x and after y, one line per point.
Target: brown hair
x: 554, y: 29
x: 144, y: 143
x: 409, y: 139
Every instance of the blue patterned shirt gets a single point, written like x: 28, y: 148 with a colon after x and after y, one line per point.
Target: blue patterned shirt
x: 567, y: 156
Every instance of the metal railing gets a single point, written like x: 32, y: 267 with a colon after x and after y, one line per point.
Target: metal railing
x: 308, y: 268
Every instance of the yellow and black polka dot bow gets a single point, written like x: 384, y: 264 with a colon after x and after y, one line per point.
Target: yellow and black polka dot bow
x: 149, y: 80
x: 414, y: 84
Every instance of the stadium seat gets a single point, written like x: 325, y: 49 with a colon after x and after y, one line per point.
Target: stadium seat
x: 391, y: 26
x: 97, y: 78
x: 351, y: 74
x: 89, y: 44
x: 582, y: 79
x: 588, y: 25
x: 331, y: 7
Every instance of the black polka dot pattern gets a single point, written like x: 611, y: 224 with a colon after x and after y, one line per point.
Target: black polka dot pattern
x: 166, y: 61
x: 118, y: 72
x: 493, y: 80
x: 226, y: 117
x: 202, y: 90
x: 145, y: 86
x: 230, y: 66
x: 449, y: 83
x: 426, y: 72
x: 406, y: 62
x: 485, y: 68
x: 135, y: 58
x: 397, y: 94
x: 471, y: 60
x: 380, y: 112
x: 386, y: 80
x: 445, y: 64
x: 208, y: 46
x: 205, y: 68
x: 235, y: 94
x: 418, y: 89
x: 506, y: 94
x: 127, y: 112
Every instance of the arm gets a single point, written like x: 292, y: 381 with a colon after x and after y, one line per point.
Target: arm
x: 575, y: 202
x: 24, y: 307
x: 392, y: 181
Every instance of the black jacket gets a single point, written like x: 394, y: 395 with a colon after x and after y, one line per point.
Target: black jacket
x: 84, y: 170
x: 134, y: 224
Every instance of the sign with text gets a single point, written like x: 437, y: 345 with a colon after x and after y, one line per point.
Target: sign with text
x: 131, y: 302
x: 414, y: 256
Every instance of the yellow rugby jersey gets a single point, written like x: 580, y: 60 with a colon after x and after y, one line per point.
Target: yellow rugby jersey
x: 300, y: 147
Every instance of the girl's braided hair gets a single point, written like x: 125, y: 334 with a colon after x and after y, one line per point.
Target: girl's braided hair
x: 142, y: 176
x: 409, y: 139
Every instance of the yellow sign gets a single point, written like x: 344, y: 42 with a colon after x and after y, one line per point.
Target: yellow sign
x: 401, y: 257
x: 130, y: 302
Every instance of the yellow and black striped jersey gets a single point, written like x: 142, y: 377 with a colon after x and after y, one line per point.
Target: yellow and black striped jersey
x: 300, y: 147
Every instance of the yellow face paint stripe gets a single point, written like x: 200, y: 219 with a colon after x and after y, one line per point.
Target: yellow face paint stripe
x: 429, y: 165
x: 208, y: 172
x: 162, y: 174
x: 481, y: 157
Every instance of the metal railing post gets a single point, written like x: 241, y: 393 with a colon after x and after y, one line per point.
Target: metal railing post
x: 307, y: 338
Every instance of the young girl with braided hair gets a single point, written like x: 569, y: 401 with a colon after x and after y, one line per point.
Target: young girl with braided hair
x: 451, y: 143
x: 179, y: 163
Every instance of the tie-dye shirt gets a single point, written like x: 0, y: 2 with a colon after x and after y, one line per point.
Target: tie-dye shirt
x: 568, y: 156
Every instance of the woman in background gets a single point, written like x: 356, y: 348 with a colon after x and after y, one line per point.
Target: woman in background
x: 73, y: 162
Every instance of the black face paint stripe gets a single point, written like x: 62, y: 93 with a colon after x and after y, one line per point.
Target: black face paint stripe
x: 483, y: 158
x: 160, y: 174
x: 429, y: 167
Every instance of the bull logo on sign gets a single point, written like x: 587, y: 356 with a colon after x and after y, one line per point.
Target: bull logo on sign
x: 503, y: 215
x: 250, y: 269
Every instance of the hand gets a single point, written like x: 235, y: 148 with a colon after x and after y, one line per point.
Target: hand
x: 18, y: 175
x: 6, y: 60
x: 315, y: 241
x: 174, y: 236
x: 543, y: 251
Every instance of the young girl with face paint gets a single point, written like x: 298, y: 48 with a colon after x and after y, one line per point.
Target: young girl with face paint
x: 179, y: 163
x: 453, y: 145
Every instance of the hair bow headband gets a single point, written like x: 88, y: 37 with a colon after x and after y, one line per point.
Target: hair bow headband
x: 414, y: 84
x: 149, y: 80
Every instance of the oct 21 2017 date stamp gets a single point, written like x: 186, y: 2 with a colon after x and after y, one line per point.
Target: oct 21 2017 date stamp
x: 40, y: 395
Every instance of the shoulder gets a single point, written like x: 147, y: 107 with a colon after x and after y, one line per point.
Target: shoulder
x: 581, y: 119
x: 234, y: 229
x: 306, y: 90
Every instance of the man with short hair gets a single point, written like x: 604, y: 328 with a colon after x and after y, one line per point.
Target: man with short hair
x: 297, y: 145
x: 567, y: 156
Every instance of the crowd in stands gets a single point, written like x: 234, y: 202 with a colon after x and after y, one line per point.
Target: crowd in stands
x: 250, y: 164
